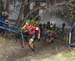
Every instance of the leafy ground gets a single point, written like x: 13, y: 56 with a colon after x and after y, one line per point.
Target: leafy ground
x: 10, y: 50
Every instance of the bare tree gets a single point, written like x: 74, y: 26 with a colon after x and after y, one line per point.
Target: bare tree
x: 24, y: 6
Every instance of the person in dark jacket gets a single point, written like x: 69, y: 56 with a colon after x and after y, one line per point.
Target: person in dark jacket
x: 3, y: 17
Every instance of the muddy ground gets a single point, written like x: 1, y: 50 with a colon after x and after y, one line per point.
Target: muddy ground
x: 11, y: 50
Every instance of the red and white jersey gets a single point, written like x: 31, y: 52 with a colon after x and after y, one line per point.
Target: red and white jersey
x: 32, y: 29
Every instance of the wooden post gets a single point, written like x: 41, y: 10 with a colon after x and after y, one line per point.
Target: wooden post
x: 22, y: 39
x: 69, y: 39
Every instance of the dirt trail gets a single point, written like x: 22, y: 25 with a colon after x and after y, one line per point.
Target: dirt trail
x: 10, y: 50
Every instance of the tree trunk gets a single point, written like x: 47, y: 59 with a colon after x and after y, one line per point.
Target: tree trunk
x: 24, y: 4
x: 7, y: 5
x: 1, y: 7
x: 26, y: 10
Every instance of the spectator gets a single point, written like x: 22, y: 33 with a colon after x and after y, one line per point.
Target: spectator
x: 4, y: 15
x: 54, y: 26
x: 48, y: 25
x: 63, y: 26
x: 3, y: 18
x: 51, y: 26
